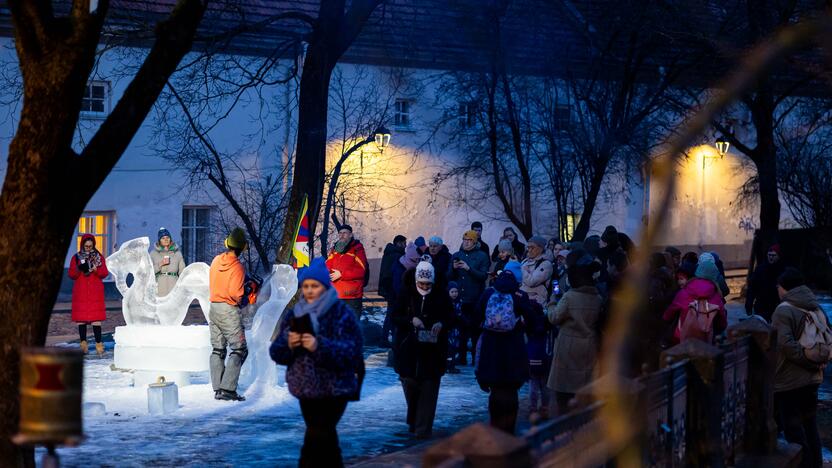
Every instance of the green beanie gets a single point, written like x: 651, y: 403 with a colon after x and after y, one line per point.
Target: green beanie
x: 236, y: 240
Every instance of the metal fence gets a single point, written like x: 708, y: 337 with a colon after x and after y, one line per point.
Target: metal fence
x: 735, y: 380
x: 666, y: 403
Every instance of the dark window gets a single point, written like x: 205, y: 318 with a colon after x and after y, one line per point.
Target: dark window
x: 96, y: 98
x: 196, y: 234
x: 401, y: 117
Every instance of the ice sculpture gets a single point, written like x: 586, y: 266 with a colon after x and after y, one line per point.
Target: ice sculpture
x: 154, y: 342
x: 141, y: 305
x: 259, y: 371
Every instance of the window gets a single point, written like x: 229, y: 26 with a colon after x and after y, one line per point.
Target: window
x: 96, y: 100
x: 571, y: 222
x: 401, y: 116
x: 100, y: 225
x: 196, y: 234
x: 563, y: 118
x: 467, y: 114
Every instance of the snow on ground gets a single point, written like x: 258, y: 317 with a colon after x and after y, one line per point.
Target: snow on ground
x: 265, y: 430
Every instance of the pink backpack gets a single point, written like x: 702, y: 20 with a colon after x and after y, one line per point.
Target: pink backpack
x: 699, y: 322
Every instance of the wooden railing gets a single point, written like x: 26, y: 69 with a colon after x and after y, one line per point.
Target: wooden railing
x: 696, y: 411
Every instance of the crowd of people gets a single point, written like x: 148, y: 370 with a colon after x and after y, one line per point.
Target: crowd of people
x: 534, y: 312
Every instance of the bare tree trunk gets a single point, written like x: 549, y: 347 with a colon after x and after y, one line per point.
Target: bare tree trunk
x: 582, y: 229
x: 47, y: 185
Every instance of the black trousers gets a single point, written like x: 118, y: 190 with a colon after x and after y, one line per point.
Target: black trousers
x: 421, y: 397
x: 797, y: 418
x: 563, y: 399
x: 320, y: 443
x: 503, y: 404
x: 470, y: 332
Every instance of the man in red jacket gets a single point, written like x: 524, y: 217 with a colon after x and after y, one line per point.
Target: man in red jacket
x: 347, y: 265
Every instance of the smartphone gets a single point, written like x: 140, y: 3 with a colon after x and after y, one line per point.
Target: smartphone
x: 555, y: 288
x: 302, y: 324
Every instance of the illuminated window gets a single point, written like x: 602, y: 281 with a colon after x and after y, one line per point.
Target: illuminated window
x: 467, y: 114
x: 100, y: 225
x: 401, y: 115
x: 196, y: 234
x: 571, y: 221
x: 96, y: 102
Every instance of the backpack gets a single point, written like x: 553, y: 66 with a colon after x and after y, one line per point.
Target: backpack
x: 816, y: 338
x: 499, y: 313
x: 699, y: 321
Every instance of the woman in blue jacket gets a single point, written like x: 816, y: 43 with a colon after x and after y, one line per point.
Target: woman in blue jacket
x: 320, y: 342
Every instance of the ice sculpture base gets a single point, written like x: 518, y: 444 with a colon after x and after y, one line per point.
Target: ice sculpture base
x: 170, y: 351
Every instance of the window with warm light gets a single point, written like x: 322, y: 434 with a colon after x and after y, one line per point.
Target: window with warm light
x: 401, y: 115
x: 96, y: 101
x: 100, y: 225
x: 571, y: 221
x: 196, y: 234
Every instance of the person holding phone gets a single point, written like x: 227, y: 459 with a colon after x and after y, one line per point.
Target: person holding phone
x: 88, y: 269
x: 320, y: 342
x: 422, y: 317
x: 168, y: 262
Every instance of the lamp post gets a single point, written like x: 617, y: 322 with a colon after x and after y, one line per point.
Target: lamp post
x: 382, y: 137
x: 722, y: 145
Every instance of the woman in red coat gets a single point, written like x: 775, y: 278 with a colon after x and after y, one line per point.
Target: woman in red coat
x: 88, y: 269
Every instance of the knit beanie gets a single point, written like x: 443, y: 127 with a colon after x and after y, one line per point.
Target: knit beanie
x: 164, y: 232
x: 411, y: 256
x: 514, y: 267
x: 425, y: 272
x: 610, y: 235
x: 708, y: 271
x: 563, y: 253
x: 471, y: 235
x: 436, y: 240
x: 539, y: 241
x: 452, y: 285
x: 775, y: 248
x: 317, y: 271
x: 420, y: 241
x: 345, y: 226
x: 236, y: 240
x: 505, y: 245
x: 707, y: 257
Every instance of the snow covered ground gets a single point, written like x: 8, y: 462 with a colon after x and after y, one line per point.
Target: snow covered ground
x: 265, y: 430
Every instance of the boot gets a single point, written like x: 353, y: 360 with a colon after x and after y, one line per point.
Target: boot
x: 85, y: 347
x: 99, y: 349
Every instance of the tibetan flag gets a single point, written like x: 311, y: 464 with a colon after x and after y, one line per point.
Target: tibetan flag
x: 301, y: 248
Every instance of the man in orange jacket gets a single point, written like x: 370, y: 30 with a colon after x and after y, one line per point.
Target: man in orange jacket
x: 226, y: 279
x: 347, y: 265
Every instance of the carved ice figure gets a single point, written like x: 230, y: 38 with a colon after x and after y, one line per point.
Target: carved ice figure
x: 259, y: 369
x: 141, y: 305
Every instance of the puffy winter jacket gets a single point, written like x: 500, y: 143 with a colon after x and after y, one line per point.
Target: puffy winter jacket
x: 793, y: 369
x: 697, y: 288
x: 88, y: 292
x: 330, y: 371
x: 352, y: 264
x: 537, y: 273
x: 385, y: 274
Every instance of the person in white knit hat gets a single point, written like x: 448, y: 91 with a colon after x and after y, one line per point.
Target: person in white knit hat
x: 421, y: 345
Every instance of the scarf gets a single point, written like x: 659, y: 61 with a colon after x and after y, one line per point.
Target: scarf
x: 318, y: 308
x: 341, y: 246
x: 171, y: 248
x: 92, y: 257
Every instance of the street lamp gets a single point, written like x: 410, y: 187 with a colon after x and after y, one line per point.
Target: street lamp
x: 722, y: 146
x: 382, y: 137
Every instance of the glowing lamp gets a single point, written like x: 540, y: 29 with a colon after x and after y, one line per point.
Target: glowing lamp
x: 382, y: 137
x: 722, y: 146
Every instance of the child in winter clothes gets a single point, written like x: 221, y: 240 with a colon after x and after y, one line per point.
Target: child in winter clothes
x: 457, y: 321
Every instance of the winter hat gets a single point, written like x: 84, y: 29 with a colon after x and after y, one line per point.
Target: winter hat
x: 471, y: 235
x: 610, y: 235
x: 425, y: 272
x: 411, y: 256
x: 707, y: 257
x: 505, y: 245
x: 687, y: 268
x: 435, y: 240
x: 420, y: 241
x: 791, y: 278
x: 591, y: 245
x: 317, y: 271
x: 452, y: 285
x: 563, y: 253
x: 345, y: 226
x: 774, y: 248
x: 162, y: 233
x: 514, y: 267
x: 236, y: 240
x: 708, y: 271
x: 539, y: 241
